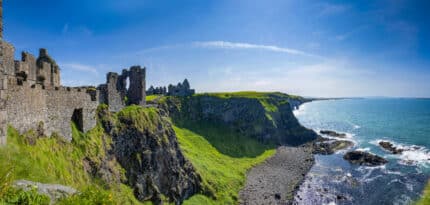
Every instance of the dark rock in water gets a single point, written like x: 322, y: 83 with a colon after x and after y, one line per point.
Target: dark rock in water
x: 364, y: 158
x: 341, y: 198
x: 390, y: 147
x: 326, y: 146
x: 333, y: 133
x: 277, y: 196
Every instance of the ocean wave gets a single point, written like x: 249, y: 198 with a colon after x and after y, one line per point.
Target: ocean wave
x: 348, y: 136
x: 386, y: 171
x: 408, y: 186
x: 367, y: 172
x: 364, y: 149
x: 412, y: 154
x: 354, y: 126
x: 402, y: 199
x: 299, y: 111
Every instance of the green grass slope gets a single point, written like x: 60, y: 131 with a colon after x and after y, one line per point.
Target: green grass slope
x: 240, y: 124
x: 222, y: 174
x: 270, y: 100
x: 51, y: 160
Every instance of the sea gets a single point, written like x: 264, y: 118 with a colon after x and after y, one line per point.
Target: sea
x: 401, y: 121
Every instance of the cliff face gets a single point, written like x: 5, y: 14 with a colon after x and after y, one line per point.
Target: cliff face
x: 267, y: 117
x: 145, y: 145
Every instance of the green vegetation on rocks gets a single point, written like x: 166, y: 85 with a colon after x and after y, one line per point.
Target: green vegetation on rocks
x: 52, y: 160
x: 222, y: 174
x: 265, y: 118
x: 220, y: 134
x: 146, y: 146
x: 196, y: 149
x: 269, y: 100
x: 150, y: 98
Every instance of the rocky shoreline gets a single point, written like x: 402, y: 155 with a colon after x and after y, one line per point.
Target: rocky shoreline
x: 277, y: 180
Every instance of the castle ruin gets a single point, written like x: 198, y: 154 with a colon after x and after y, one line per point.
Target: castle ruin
x: 32, y: 97
x: 181, y: 89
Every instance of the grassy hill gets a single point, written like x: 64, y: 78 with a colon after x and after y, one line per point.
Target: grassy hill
x: 263, y: 118
x: 223, y: 175
x: 52, y: 160
x: 221, y: 152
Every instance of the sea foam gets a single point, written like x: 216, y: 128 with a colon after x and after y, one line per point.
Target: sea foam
x: 411, y: 155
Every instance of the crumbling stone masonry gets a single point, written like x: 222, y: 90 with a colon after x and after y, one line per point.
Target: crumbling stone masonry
x: 181, y: 89
x: 31, y: 95
x: 115, y: 92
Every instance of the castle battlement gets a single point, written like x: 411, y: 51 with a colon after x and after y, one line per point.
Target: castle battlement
x: 32, y: 97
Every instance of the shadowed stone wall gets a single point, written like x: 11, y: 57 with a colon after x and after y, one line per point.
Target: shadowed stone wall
x: 137, y: 91
x: 53, y: 109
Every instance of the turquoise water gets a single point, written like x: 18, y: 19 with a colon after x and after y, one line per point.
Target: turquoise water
x: 404, y: 122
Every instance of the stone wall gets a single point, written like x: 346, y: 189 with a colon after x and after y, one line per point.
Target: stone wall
x: 32, y: 105
x: 8, y: 60
x: 113, y: 93
x: 61, y: 105
x: 30, y: 61
x: 3, y: 110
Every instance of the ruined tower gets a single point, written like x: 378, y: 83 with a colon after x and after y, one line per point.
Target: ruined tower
x: 137, y: 90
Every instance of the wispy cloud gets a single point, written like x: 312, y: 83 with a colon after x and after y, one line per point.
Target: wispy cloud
x: 80, y: 67
x: 237, y: 45
x: 65, y: 28
x: 76, y: 30
x: 347, y: 35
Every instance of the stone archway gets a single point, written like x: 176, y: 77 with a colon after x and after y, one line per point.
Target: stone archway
x: 78, y: 119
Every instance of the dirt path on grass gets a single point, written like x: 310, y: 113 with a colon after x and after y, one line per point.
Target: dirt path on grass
x: 276, y: 180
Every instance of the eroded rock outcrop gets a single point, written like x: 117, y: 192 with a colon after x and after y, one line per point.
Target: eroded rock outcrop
x: 326, y: 146
x: 333, y: 133
x: 145, y: 145
x: 268, y: 118
x: 390, y: 147
x: 364, y: 158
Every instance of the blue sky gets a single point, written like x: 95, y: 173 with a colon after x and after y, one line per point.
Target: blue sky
x: 310, y: 48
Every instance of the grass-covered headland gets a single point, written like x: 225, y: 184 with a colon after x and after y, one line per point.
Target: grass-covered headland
x: 221, y: 134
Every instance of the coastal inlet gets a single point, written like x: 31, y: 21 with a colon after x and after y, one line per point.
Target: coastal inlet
x: 393, y: 129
